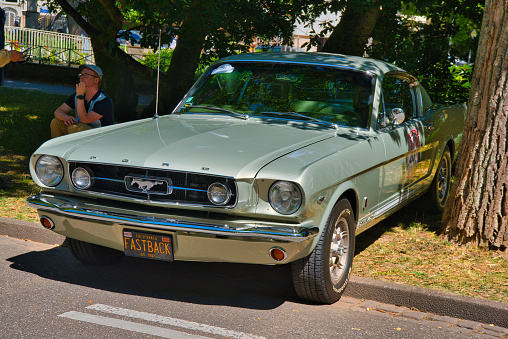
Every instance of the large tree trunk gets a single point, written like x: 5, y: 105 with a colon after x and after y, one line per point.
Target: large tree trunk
x: 118, y: 84
x: 184, y: 62
x: 353, y: 31
x: 477, y: 211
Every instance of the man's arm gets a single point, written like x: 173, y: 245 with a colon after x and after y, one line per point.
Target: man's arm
x: 62, y: 113
x: 84, y: 116
x: 6, y: 56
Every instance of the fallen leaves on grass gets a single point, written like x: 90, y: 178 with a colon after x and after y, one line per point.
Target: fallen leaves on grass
x: 417, y: 256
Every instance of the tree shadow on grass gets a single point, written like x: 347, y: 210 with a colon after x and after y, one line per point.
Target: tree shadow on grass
x: 15, y: 179
x: 410, y: 216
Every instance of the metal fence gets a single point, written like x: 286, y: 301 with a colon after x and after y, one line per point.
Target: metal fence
x: 50, y: 47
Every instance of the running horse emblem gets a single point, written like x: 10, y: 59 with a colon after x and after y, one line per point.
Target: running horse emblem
x: 145, y: 185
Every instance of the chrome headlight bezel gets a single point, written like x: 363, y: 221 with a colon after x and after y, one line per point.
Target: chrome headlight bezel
x: 49, y: 170
x: 82, y: 178
x: 219, y: 194
x: 285, y: 197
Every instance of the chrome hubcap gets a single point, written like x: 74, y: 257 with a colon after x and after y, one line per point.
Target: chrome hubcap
x: 442, y: 183
x: 339, y: 250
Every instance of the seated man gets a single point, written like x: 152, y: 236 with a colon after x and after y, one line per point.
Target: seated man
x: 93, y: 108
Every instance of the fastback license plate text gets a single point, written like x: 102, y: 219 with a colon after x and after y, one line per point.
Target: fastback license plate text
x: 148, y: 245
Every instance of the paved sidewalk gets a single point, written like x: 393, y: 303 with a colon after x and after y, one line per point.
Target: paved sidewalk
x: 143, y: 100
x: 466, y: 327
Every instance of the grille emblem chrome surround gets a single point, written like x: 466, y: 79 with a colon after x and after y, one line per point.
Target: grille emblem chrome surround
x: 149, y: 185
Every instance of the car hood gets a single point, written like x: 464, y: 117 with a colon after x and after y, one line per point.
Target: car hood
x: 203, y: 144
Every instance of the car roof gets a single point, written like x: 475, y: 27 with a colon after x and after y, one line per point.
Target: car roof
x: 373, y: 66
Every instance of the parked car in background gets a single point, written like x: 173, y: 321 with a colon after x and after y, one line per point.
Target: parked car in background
x: 270, y: 158
x: 129, y: 37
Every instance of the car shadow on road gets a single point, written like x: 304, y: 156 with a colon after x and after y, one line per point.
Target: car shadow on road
x: 237, y: 285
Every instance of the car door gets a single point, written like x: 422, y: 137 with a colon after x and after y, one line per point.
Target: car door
x: 404, y: 142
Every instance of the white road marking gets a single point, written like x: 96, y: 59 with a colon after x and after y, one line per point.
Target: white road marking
x: 128, y: 325
x: 172, y: 321
x: 148, y: 329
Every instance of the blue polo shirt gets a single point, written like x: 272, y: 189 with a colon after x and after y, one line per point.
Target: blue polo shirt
x: 100, y: 104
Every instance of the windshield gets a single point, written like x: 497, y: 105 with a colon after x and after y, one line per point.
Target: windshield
x: 285, y: 91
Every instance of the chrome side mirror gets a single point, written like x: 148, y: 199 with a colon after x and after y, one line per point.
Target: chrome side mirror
x: 397, y: 116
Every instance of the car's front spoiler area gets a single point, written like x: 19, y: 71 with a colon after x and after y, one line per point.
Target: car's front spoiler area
x: 194, y: 240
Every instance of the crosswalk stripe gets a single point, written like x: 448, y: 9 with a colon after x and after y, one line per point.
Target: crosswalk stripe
x: 129, y: 325
x: 172, y: 321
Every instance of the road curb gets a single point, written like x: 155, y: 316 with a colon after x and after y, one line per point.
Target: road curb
x: 427, y: 300
x: 29, y: 230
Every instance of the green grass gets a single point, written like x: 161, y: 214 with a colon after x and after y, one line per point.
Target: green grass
x: 405, y: 248
x: 25, y: 117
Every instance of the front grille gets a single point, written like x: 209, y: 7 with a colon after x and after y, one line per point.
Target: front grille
x: 187, y: 188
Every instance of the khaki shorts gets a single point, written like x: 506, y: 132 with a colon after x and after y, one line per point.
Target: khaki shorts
x: 59, y: 128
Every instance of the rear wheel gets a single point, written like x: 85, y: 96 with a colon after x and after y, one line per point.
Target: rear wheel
x: 93, y: 254
x: 323, y: 275
x: 438, y: 193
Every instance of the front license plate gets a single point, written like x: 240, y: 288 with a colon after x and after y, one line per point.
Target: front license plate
x: 148, y: 245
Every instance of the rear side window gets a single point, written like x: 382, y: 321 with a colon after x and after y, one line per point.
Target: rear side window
x: 397, y: 93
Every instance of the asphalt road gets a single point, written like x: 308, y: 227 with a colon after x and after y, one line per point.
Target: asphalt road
x: 45, y: 292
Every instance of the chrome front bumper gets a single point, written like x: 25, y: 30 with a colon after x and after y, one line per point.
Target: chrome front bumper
x: 103, y: 225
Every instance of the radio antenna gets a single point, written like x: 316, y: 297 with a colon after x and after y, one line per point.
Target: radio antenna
x: 156, y: 116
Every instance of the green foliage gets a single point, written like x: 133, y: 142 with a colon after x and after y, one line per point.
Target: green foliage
x: 429, y: 47
x: 151, y: 59
x: 450, y: 85
x: 230, y: 25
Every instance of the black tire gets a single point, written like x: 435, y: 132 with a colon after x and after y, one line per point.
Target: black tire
x: 439, y: 190
x: 93, y: 254
x: 323, y: 275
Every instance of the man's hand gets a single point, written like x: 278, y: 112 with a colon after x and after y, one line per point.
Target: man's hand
x: 16, y: 56
x: 68, y: 120
x: 80, y: 88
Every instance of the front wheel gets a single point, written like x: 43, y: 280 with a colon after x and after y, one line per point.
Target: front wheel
x: 93, y: 254
x: 323, y: 275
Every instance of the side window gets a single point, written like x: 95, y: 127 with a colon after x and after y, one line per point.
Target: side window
x: 398, y: 93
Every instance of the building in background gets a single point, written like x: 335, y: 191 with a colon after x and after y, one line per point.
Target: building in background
x: 32, y: 14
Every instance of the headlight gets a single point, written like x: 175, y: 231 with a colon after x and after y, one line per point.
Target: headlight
x: 218, y: 193
x: 49, y: 170
x: 285, y: 197
x: 82, y: 178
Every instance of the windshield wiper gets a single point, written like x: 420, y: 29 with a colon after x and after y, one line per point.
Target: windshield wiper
x: 330, y: 124
x: 215, y: 108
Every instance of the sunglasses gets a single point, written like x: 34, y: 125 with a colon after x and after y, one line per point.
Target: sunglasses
x: 84, y: 75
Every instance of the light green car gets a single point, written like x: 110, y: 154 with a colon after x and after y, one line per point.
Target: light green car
x: 271, y: 158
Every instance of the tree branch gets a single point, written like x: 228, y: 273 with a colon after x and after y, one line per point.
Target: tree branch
x: 113, y: 12
x: 134, y: 66
x: 66, y: 6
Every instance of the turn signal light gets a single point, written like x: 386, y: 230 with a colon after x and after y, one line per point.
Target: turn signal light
x: 47, y: 223
x: 277, y: 254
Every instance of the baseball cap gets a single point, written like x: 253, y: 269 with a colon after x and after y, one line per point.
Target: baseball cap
x: 94, y: 68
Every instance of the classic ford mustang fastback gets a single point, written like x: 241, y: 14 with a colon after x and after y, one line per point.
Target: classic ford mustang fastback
x: 270, y: 158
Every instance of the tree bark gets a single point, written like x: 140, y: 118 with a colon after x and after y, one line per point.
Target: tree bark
x: 184, y: 62
x: 353, y: 31
x: 477, y: 211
